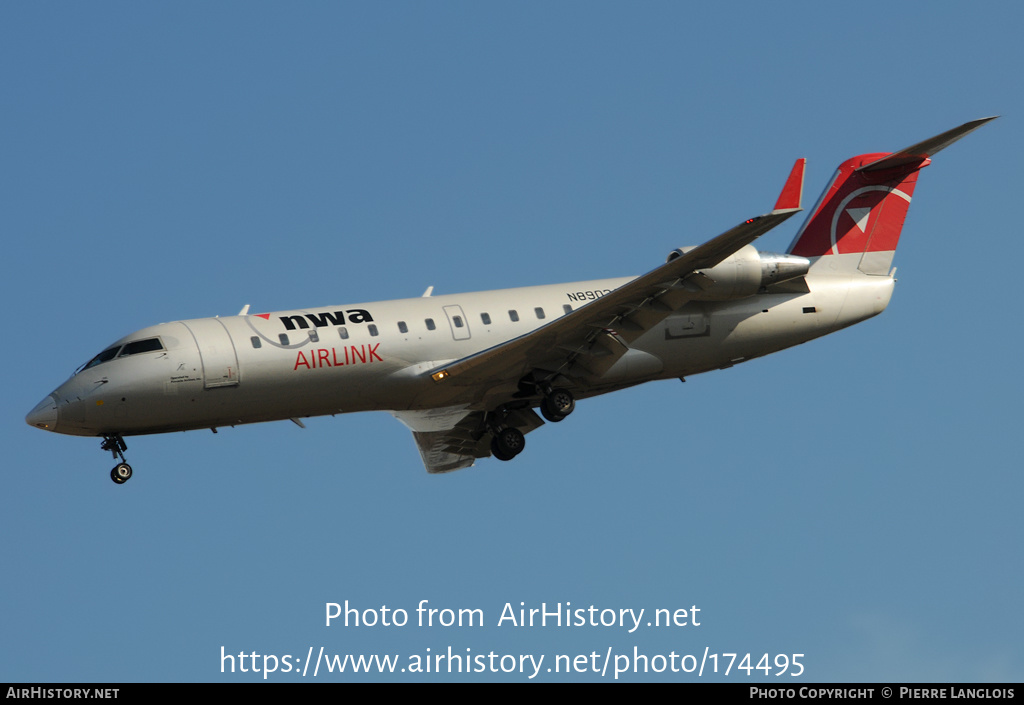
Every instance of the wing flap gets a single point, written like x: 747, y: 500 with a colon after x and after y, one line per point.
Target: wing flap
x: 439, y: 455
x: 451, y: 439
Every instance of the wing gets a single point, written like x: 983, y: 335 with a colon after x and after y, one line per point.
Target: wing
x: 590, y: 339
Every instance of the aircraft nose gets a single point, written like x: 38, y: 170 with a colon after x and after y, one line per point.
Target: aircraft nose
x: 44, y: 415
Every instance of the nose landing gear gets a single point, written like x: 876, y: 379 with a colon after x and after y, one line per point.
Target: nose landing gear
x: 122, y: 472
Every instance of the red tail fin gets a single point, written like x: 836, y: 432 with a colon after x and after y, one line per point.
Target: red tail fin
x: 861, y: 212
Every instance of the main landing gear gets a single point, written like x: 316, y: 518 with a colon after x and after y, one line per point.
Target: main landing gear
x: 122, y: 472
x: 508, y: 441
x: 557, y: 404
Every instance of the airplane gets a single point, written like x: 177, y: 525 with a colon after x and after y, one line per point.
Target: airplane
x: 468, y: 373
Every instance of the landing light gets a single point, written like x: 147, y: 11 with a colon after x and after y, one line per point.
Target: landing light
x: 438, y: 376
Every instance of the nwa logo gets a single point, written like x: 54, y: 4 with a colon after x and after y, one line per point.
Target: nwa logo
x: 322, y: 320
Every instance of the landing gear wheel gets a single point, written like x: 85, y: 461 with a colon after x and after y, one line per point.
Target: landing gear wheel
x: 557, y: 405
x: 508, y: 443
x: 498, y: 453
x: 121, y: 473
x: 548, y: 413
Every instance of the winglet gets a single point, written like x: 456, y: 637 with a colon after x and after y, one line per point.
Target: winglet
x: 793, y: 192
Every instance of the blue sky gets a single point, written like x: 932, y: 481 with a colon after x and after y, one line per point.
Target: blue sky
x: 855, y: 500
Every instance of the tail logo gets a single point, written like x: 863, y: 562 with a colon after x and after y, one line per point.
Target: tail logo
x: 860, y: 217
x: 857, y: 238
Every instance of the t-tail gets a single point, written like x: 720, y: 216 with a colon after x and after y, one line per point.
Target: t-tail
x: 857, y: 221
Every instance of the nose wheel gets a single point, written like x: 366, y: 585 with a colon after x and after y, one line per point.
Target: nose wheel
x: 122, y: 472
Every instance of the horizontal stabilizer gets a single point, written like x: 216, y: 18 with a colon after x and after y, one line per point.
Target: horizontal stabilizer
x: 929, y: 147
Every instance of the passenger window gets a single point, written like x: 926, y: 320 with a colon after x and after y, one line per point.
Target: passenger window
x: 140, y: 346
x: 457, y: 320
x: 402, y: 328
x: 343, y: 332
x: 314, y: 336
x: 540, y: 312
x: 283, y: 338
x: 256, y: 342
x: 567, y: 308
x: 372, y: 328
x: 430, y: 324
x: 513, y: 316
x: 486, y: 318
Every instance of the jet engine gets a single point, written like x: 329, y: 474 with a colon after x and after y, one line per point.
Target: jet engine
x: 741, y: 274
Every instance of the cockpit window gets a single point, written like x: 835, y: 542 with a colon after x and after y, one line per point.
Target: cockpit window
x: 133, y: 348
x: 140, y: 346
x: 107, y: 354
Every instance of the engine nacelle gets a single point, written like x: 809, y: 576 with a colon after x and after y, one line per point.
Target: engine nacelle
x: 742, y: 274
x: 776, y: 268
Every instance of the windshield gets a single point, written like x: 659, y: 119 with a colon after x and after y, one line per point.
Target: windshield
x: 107, y: 354
x: 133, y: 348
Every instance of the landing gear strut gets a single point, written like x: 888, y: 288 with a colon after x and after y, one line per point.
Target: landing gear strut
x: 122, y: 472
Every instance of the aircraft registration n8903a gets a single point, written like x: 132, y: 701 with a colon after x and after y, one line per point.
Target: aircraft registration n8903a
x: 468, y: 373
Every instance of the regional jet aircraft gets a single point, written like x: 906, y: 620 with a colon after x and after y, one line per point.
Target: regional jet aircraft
x: 468, y: 373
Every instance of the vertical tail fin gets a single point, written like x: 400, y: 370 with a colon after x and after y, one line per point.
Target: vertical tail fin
x: 859, y: 217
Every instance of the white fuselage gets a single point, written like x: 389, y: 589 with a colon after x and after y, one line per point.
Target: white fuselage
x: 376, y: 356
